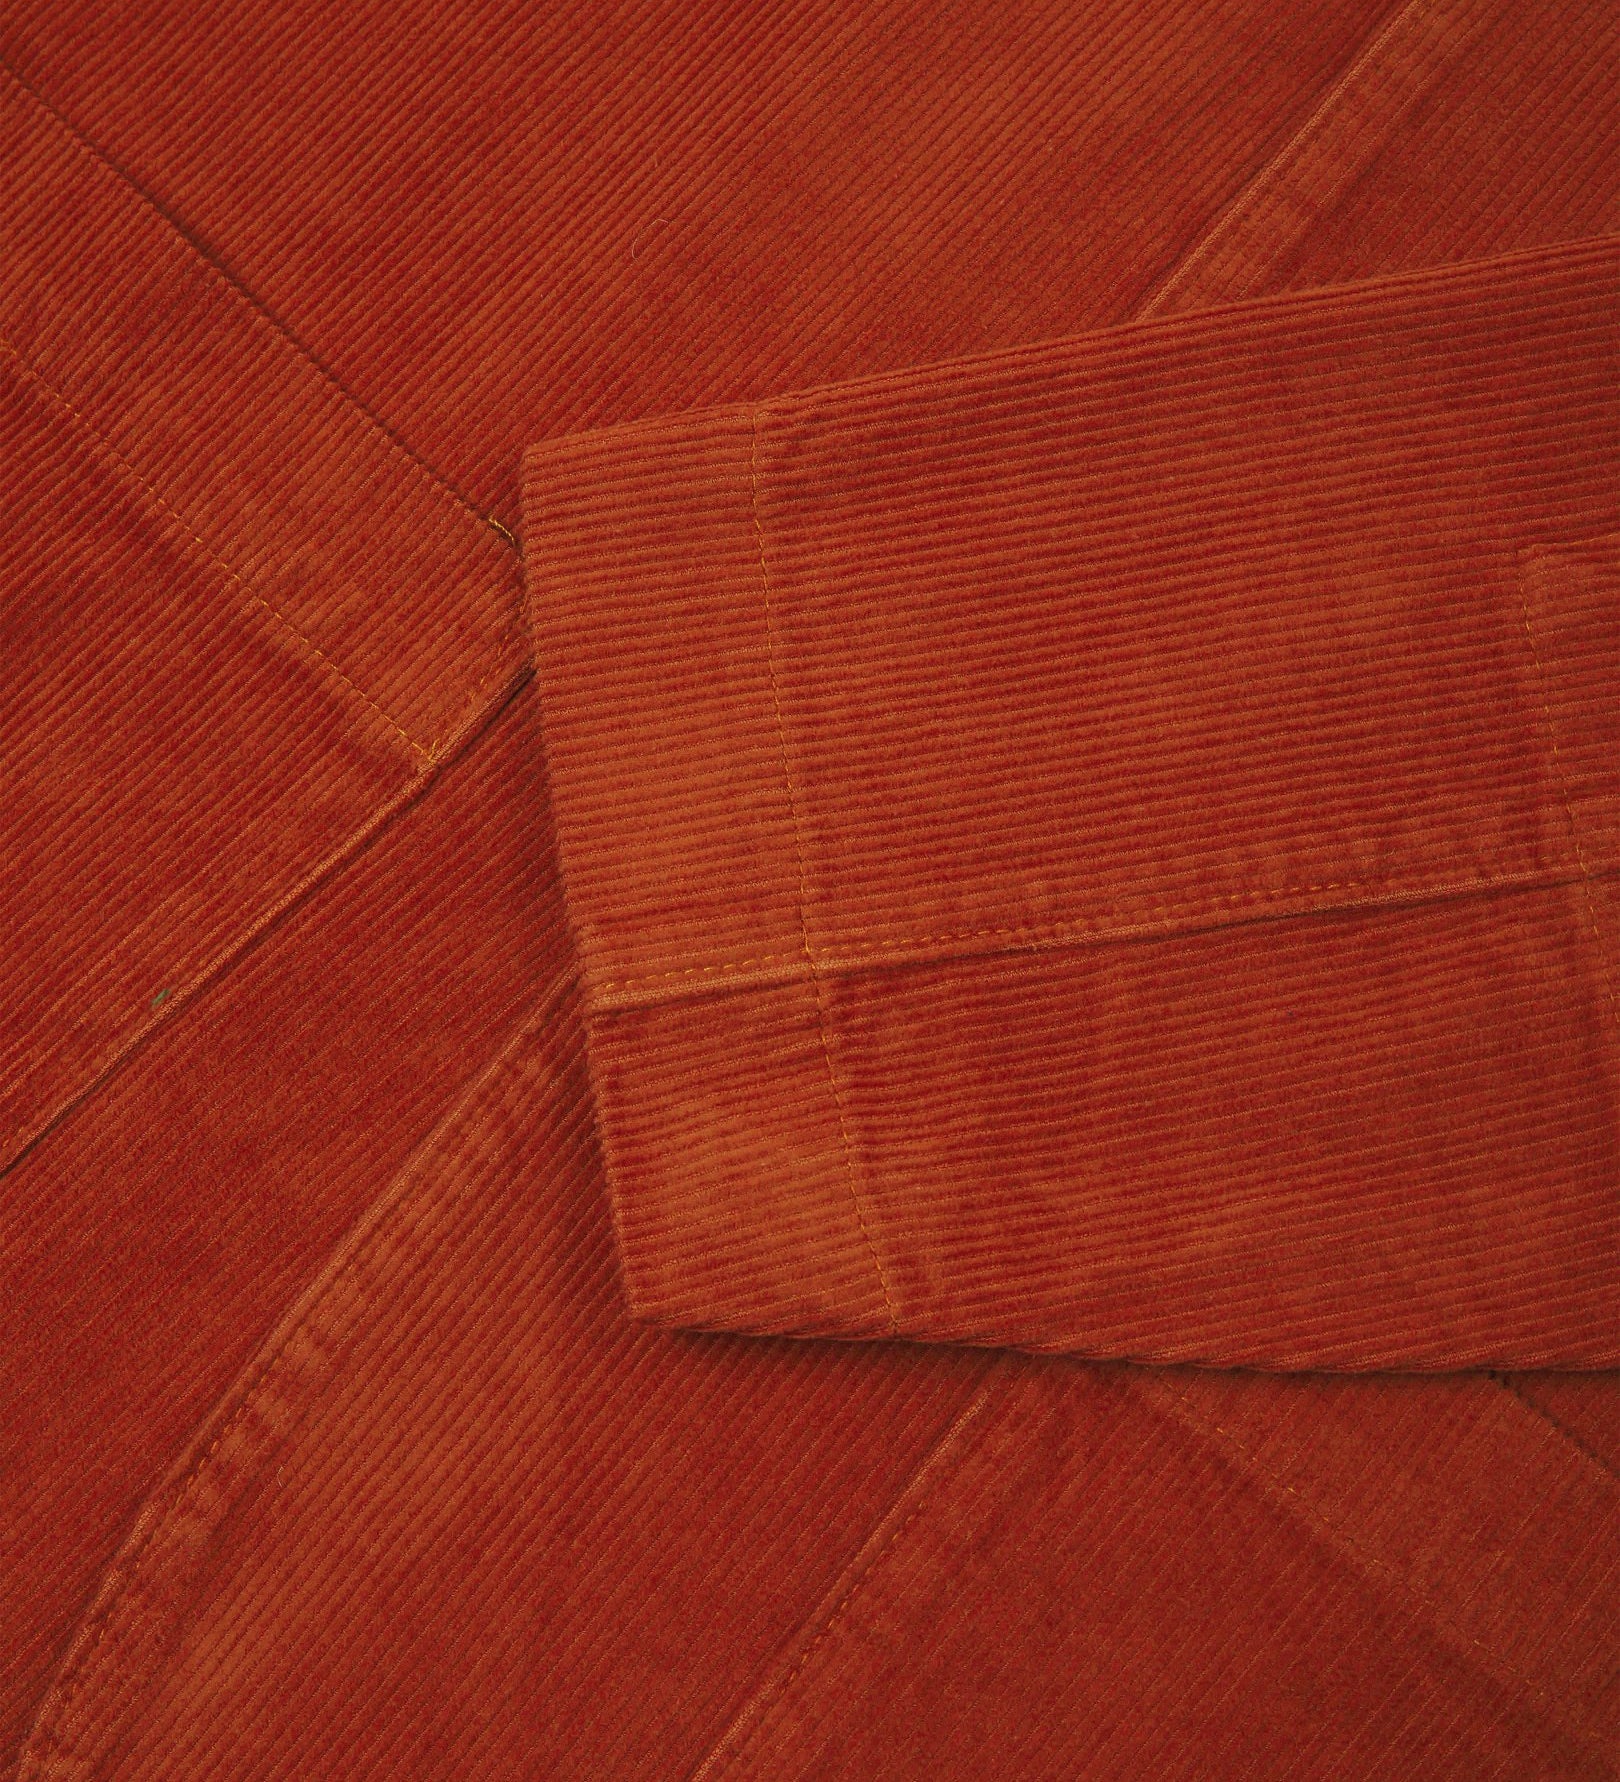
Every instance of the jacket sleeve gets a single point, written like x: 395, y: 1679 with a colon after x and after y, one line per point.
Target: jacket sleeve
x: 1112, y: 847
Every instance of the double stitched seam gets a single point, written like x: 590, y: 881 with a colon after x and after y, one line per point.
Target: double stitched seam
x: 1414, y: 34
x: 1156, y: 916
x: 131, y: 474
x: 1561, y: 775
x: 130, y: 1590
x: 799, y: 858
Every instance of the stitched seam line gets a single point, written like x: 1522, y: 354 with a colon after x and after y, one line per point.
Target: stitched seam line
x: 745, y: 1733
x: 799, y: 858
x: 1562, y: 776
x: 1555, y: 1423
x: 1273, y: 179
x: 1338, y: 1531
x: 1031, y: 938
x: 359, y: 1251
x: 35, y: 377
x: 255, y: 309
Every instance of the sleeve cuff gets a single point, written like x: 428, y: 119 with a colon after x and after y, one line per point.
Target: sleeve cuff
x: 1111, y: 847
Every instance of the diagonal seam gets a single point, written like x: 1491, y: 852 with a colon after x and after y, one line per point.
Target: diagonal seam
x: 297, y: 1352
x: 26, y: 1138
x: 255, y: 305
x: 32, y: 375
x: 1583, y: 1448
x: 1181, y: 1407
x: 817, y: 987
x: 1370, y: 59
x: 885, y: 1536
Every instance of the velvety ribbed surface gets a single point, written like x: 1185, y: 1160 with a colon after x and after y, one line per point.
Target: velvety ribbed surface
x: 472, y: 1521
x: 333, y: 195
x: 495, y: 224
x: 156, y: 1236
x: 240, y: 620
x: 1096, y: 848
x: 330, y: 1449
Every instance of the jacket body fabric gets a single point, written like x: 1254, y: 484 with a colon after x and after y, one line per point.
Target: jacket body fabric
x: 811, y: 858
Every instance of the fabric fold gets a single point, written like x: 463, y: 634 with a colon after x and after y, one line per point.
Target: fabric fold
x: 241, y: 624
x: 1111, y: 847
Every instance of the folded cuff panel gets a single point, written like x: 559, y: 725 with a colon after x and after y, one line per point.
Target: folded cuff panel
x: 1112, y: 847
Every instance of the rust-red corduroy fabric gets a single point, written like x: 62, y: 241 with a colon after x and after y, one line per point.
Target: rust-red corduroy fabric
x: 1112, y: 847
x: 1070, y: 569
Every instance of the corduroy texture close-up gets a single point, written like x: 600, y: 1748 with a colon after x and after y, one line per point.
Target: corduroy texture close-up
x: 1172, y: 777
x: 810, y: 854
